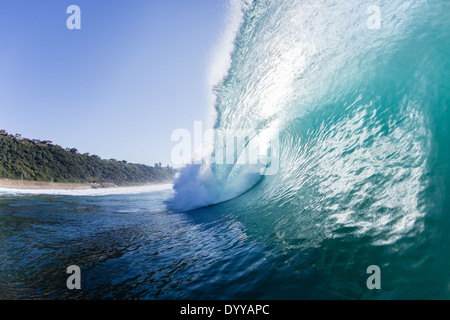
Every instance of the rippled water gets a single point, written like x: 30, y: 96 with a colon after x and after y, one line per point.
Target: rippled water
x: 132, y: 247
x: 127, y: 246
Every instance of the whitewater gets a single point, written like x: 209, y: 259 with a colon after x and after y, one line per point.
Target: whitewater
x: 86, y: 192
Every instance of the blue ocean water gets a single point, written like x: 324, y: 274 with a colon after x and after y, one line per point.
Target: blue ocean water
x: 363, y: 120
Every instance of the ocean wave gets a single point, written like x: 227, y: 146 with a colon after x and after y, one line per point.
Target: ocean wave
x: 359, y: 111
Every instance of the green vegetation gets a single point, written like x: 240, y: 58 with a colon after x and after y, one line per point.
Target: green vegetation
x: 50, y: 163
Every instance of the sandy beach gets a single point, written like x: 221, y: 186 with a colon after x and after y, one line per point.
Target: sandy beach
x: 17, y: 184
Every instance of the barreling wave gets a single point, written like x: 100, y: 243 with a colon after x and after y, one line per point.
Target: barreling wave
x: 360, y: 113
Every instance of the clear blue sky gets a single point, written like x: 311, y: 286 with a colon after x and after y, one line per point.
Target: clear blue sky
x: 136, y: 71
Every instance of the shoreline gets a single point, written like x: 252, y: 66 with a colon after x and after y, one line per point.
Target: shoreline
x: 40, y: 185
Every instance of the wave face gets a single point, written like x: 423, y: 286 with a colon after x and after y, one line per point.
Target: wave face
x: 362, y: 116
